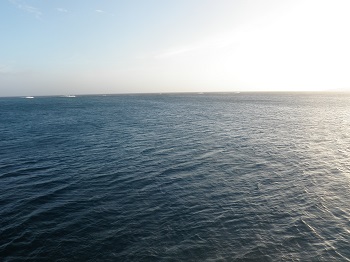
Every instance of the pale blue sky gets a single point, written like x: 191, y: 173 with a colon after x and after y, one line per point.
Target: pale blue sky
x: 98, y: 46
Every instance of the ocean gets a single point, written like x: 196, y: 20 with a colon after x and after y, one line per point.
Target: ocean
x: 175, y: 177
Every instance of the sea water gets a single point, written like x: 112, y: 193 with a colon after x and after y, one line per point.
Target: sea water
x: 175, y: 177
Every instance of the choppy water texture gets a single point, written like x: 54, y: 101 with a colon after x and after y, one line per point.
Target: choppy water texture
x: 219, y: 177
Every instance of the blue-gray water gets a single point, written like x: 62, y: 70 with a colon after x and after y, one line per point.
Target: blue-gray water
x: 212, y: 177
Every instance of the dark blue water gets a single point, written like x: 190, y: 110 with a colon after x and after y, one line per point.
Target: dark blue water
x: 219, y: 177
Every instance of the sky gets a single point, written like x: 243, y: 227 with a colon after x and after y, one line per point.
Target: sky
x: 63, y: 47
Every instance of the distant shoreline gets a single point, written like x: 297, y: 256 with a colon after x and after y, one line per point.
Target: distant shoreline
x: 187, y: 93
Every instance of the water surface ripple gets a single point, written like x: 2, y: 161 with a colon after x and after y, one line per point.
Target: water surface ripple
x: 212, y: 177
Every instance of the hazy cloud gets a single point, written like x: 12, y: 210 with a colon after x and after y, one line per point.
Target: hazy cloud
x: 174, y: 52
x: 205, y: 45
x: 5, y: 69
x: 99, y: 11
x: 27, y: 8
x: 11, y: 71
x: 62, y: 10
